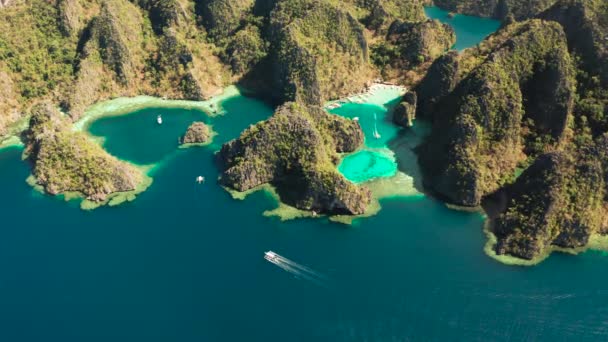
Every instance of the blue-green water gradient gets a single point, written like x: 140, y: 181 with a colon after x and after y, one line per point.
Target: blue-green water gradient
x: 184, y: 262
x: 470, y: 30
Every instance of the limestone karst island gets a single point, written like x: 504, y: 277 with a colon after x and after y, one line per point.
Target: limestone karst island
x: 303, y: 170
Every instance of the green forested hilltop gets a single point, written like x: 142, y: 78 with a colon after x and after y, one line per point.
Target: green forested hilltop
x: 77, y: 52
x: 520, y: 127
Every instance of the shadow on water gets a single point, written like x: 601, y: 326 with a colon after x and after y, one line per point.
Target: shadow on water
x: 404, y: 146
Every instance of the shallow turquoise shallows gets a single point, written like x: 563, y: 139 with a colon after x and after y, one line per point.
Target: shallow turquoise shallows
x: 185, y: 262
x: 470, y: 30
x: 365, y: 165
x: 374, y: 160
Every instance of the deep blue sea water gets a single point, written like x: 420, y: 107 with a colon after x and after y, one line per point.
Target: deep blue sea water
x: 470, y: 30
x: 184, y: 262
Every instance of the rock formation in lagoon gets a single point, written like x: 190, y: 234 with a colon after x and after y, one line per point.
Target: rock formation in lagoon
x: 68, y: 161
x: 405, y: 113
x: 295, y: 150
x: 197, y: 133
x: 76, y: 54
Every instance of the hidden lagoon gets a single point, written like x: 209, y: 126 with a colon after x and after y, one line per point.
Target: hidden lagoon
x: 185, y: 261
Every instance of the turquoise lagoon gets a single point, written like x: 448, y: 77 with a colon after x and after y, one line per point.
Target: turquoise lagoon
x: 470, y: 30
x: 184, y: 262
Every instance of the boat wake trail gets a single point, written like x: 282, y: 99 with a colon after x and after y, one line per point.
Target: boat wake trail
x: 298, y: 270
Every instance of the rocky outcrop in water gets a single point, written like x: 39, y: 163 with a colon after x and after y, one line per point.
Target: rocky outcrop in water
x: 197, y: 133
x: 405, y: 113
x: 383, y: 12
x: 523, y: 86
x: 557, y: 201
x: 295, y: 150
x: 513, y: 132
x: 67, y: 161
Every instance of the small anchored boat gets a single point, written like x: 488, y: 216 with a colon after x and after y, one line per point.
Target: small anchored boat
x: 200, y: 179
x: 159, y: 120
x: 376, y: 133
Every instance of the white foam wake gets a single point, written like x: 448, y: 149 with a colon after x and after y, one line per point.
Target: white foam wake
x: 298, y: 270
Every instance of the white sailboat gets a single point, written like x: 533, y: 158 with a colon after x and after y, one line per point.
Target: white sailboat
x: 376, y: 133
x: 159, y: 119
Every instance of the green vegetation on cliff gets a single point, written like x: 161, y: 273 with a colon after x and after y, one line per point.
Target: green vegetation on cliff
x: 319, y: 52
x: 296, y: 151
x: 492, y: 108
x: 77, y: 52
x: 530, y: 98
x: 68, y: 161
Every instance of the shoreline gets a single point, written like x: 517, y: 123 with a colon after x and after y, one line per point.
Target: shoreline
x: 596, y: 242
x: 125, y: 105
x: 378, y: 93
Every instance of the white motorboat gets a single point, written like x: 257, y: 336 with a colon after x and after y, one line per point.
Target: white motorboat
x: 159, y: 119
x: 270, y: 255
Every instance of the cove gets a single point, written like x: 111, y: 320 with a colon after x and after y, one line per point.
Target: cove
x: 375, y: 160
x: 470, y: 30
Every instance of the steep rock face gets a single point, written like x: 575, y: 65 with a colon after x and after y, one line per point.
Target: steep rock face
x: 122, y: 56
x: 483, y: 117
x: 411, y: 44
x: 585, y: 23
x: 197, y: 133
x: 8, y: 102
x: 164, y: 14
x: 70, y: 17
x: 383, y: 12
x: 296, y: 151
x: 116, y: 31
x: 500, y: 9
x: 318, y: 52
x: 439, y: 81
x: 223, y: 17
x: 405, y: 113
x: 64, y: 160
x: 556, y: 201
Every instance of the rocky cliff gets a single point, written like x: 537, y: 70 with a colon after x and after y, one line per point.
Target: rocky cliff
x: 295, y: 150
x: 557, y: 201
x: 491, y: 110
x: 197, y: 133
x: 67, y: 161
x: 519, y: 126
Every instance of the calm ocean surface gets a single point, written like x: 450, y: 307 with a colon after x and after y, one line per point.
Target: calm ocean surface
x: 470, y: 30
x: 185, y: 262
